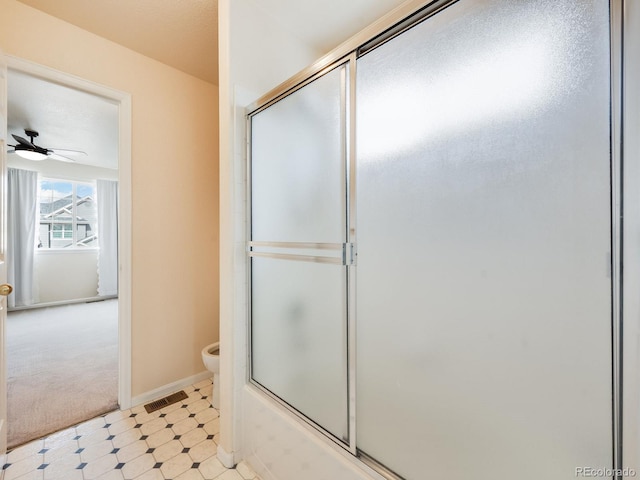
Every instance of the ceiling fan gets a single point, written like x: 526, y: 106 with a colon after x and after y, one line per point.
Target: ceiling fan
x: 29, y: 150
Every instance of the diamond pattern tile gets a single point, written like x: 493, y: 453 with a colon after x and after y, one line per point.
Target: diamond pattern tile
x: 174, y: 443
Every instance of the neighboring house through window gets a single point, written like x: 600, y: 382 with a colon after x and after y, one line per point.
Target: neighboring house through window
x: 68, y: 214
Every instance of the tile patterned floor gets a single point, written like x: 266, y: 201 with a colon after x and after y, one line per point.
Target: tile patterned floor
x: 177, y: 442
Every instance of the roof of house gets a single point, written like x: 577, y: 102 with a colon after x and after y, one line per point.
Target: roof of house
x: 62, y: 206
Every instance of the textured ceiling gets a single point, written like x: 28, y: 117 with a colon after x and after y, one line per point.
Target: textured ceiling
x: 64, y: 118
x: 180, y: 33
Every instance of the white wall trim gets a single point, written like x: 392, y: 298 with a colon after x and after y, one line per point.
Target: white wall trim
x: 227, y: 207
x: 169, y: 388
x: 124, y: 211
x: 62, y: 302
x: 631, y: 232
x: 225, y: 458
x: 3, y: 243
x: 124, y: 252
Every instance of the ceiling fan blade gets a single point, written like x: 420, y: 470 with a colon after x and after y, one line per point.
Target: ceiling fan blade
x: 66, y: 151
x: 61, y: 158
x: 22, y: 141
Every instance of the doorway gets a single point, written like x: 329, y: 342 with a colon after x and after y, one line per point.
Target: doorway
x: 67, y: 283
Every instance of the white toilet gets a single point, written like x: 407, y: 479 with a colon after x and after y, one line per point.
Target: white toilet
x: 211, y: 360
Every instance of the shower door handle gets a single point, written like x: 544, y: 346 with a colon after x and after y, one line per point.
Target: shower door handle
x: 5, y: 289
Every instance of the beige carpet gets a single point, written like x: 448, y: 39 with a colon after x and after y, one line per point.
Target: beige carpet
x: 62, y: 367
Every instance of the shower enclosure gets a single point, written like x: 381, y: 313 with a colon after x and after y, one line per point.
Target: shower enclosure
x: 433, y: 253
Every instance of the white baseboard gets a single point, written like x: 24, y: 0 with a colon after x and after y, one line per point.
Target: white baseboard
x: 225, y: 458
x: 62, y: 302
x: 169, y: 388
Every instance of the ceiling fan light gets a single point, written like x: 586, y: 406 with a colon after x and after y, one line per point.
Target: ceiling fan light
x: 31, y: 155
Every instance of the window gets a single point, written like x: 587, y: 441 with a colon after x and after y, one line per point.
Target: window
x: 68, y: 215
x: 62, y: 230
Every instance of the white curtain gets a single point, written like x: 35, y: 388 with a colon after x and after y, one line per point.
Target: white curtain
x: 107, y: 196
x: 22, y: 201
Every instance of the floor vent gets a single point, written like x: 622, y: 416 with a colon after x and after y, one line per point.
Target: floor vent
x: 163, y: 402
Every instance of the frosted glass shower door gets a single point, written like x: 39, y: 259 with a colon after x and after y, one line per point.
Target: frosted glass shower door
x: 484, y: 286
x: 298, y: 277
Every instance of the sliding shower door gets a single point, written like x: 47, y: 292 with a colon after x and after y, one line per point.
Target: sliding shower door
x: 298, y: 231
x: 481, y: 335
x: 484, y: 243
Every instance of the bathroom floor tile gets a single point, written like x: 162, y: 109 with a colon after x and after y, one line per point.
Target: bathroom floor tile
x: 205, y: 416
x: 176, y: 465
x: 190, y: 474
x: 177, y: 415
x: 96, y: 451
x: 61, y: 437
x: 176, y: 442
x: 131, y: 451
x: 138, y: 466
x: 125, y: 438
x: 90, y: 426
x: 245, y: 471
x: 212, y: 427
x: 97, y: 436
x: 159, y: 438
x: 34, y: 475
x: 99, y: 467
x: 112, y: 475
x: 62, y: 467
x: 60, y: 450
x: 167, y: 451
x: 203, y: 451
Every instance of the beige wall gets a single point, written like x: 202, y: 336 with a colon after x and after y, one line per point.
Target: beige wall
x: 175, y: 188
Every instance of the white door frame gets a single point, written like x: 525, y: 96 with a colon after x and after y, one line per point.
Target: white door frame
x: 123, y: 100
x: 627, y: 95
x: 3, y: 270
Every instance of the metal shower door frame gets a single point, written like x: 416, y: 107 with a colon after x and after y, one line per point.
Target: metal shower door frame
x: 348, y: 53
